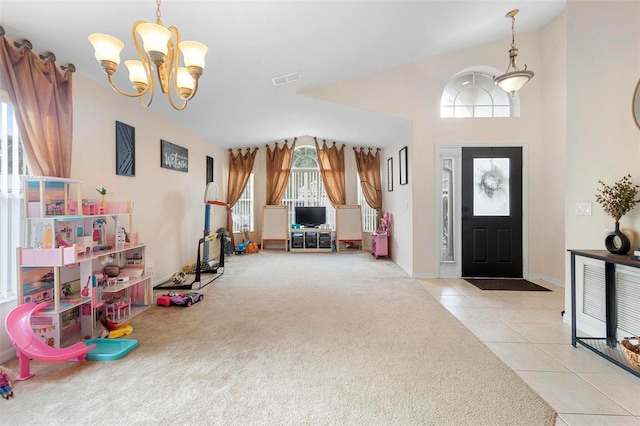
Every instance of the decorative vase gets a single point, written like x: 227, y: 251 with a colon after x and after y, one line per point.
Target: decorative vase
x: 617, y: 242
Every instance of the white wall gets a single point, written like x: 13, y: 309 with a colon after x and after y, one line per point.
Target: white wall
x: 550, y: 204
x: 602, y: 142
x: 400, y: 202
x: 169, y: 208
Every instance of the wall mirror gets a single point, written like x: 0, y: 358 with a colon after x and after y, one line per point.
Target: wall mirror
x: 636, y: 104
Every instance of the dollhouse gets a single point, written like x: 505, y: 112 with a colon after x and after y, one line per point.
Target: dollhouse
x: 65, y: 250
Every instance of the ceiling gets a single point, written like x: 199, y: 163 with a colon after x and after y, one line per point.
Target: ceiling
x: 250, y: 42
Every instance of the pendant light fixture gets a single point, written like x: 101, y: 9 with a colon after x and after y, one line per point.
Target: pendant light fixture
x: 514, y: 78
x: 161, y: 47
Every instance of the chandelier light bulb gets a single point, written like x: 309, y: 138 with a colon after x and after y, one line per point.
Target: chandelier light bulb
x: 106, y: 47
x: 185, y: 82
x: 193, y: 53
x: 137, y: 73
x: 155, y: 38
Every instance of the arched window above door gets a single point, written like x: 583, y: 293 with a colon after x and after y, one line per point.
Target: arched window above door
x: 305, y: 157
x: 472, y: 93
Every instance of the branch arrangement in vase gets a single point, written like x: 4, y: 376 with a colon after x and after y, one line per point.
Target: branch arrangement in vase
x: 618, y: 199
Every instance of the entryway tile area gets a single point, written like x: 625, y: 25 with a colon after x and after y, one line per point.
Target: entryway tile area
x: 525, y: 330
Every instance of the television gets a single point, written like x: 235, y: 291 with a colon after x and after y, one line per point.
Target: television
x: 311, y: 217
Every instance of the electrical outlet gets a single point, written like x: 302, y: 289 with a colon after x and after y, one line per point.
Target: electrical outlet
x: 583, y: 209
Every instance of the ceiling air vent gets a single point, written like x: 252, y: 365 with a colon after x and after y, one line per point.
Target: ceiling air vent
x: 287, y: 78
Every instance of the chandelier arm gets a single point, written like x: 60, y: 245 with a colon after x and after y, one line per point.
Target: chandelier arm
x: 174, y: 105
x: 122, y: 92
x: 149, y: 100
x: 175, y: 62
x: 185, y: 100
x: 194, y: 91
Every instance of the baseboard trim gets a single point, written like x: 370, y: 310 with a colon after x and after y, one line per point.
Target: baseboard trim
x: 424, y: 275
x: 547, y: 278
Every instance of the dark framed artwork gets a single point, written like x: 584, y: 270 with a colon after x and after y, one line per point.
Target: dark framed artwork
x: 125, y: 149
x: 174, y: 157
x: 209, y: 169
x: 404, y: 172
x: 390, y: 174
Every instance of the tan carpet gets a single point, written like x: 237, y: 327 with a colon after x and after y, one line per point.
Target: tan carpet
x: 290, y: 339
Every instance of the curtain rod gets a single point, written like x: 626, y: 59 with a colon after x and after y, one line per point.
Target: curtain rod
x: 286, y: 141
x: 46, y: 56
x: 240, y: 149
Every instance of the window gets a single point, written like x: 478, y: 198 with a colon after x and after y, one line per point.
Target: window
x: 305, y: 186
x: 12, y: 165
x: 242, y: 212
x: 369, y: 215
x: 448, y: 249
x: 474, y: 94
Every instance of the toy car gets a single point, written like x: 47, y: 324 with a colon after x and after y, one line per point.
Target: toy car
x: 180, y: 299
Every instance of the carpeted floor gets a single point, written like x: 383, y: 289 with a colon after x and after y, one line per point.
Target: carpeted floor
x: 290, y: 339
x: 511, y: 284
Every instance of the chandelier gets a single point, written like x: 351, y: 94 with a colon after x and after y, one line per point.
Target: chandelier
x: 512, y: 81
x: 162, y: 48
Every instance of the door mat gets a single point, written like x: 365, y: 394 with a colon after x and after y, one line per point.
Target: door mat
x: 511, y: 284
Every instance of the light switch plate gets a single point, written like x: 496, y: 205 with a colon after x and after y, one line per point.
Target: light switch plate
x: 583, y: 209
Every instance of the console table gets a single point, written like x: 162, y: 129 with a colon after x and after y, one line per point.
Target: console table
x: 606, y: 347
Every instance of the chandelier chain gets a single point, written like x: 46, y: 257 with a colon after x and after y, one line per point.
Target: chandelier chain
x: 158, y: 13
x: 513, y: 31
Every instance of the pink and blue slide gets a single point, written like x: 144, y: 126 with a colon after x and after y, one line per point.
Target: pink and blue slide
x: 28, y: 346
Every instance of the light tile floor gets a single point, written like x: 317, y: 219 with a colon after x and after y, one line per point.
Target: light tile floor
x: 525, y: 330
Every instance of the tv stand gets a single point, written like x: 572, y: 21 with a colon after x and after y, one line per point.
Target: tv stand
x: 310, y: 239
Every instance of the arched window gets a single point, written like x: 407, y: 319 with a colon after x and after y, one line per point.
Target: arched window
x: 305, y: 187
x: 305, y: 157
x: 472, y: 93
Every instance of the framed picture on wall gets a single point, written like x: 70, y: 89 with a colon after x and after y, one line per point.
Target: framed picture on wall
x: 404, y: 173
x: 125, y: 149
x: 390, y: 174
x: 209, y: 169
x: 174, y: 157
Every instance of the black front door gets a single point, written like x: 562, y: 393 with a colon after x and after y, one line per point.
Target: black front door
x: 492, y: 212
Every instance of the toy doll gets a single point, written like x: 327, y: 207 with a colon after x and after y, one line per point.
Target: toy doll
x: 5, y: 385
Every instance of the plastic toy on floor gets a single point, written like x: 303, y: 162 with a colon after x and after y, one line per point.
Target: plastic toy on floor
x: 114, y: 330
x: 247, y: 246
x: 6, y: 388
x: 179, y: 299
